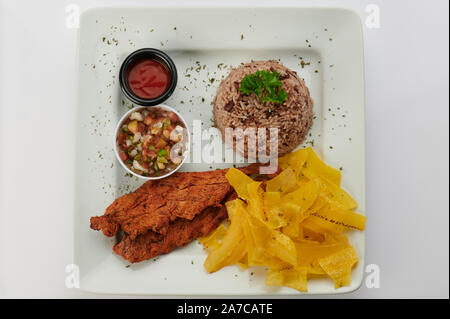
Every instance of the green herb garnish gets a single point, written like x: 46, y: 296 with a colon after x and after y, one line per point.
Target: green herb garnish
x: 266, y: 85
x: 162, y: 152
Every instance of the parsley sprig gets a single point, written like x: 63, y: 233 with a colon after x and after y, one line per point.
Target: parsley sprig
x: 266, y: 85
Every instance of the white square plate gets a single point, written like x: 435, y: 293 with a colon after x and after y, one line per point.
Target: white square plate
x: 329, y: 41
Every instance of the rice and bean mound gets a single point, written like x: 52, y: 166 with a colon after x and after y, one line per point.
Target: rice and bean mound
x: 264, y: 94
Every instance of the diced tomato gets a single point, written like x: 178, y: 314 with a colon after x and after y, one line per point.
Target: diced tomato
x: 141, y: 128
x: 121, y: 137
x: 145, y: 165
x: 148, y: 120
x: 147, y: 154
x: 148, y: 141
x: 123, y: 156
x: 161, y: 143
x: 173, y: 117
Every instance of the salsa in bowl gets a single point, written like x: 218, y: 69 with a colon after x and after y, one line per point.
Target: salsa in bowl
x: 152, y: 142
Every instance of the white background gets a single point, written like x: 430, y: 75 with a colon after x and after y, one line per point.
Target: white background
x: 407, y: 109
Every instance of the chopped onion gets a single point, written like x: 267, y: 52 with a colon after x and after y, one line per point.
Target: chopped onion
x: 137, y: 137
x: 177, y: 160
x: 175, y: 136
x: 138, y: 166
x: 136, y: 116
x: 145, y: 138
x: 158, y: 125
x: 133, y: 153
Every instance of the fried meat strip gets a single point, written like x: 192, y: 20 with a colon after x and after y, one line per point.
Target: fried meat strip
x: 180, y: 233
x: 168, y: 213
x: 157, y: 203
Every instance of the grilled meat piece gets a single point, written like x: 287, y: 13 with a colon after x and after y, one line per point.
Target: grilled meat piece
x: 179, y: 233
x: 157, y: 203
x: 164, y: 214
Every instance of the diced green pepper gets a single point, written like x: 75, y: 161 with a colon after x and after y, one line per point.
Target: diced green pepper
x: 162, y: 159
x: 166, y: 122
x: 162, y: 152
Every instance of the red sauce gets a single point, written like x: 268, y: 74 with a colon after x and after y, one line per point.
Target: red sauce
x: 148, y: 79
